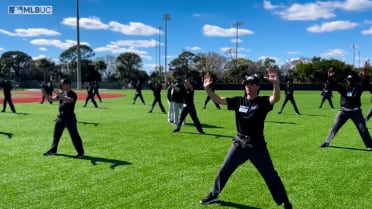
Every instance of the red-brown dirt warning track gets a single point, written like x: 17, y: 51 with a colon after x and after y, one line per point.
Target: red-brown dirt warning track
x: 35, y: 96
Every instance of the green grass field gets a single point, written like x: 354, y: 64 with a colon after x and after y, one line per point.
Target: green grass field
x: 133, y: 160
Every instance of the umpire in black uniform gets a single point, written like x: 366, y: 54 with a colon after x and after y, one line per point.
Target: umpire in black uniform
x: 207, y: 99
x: 7, y: 88
x: 326, y: 95
x: 189, y: 108
x: 249, y: 143
x: 90, y: 95
x: 350, y: 107
x: 156, y: 89
x: 138, y: 87
x: 66, y: 119
x: 289, y: 89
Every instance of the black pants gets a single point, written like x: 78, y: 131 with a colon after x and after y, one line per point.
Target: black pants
x: 326, y: 97
x: 207, y: 100
x: 291, y: 99
x: 90, y: 97
x: 357, y: 118
x: 239, y: 153
x: 8, y: 99
x: 70, y: 124
x: 99, y: 96
x: 140, y: 96
x: 157, y: 100
x: 190, y: 109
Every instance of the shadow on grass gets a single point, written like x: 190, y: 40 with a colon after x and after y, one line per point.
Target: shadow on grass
x: 206, y: 134
x: 349, y: 148
x: 206, y: 125
x: 17, y: 113
x: 280, y: 122
x: 9, y: 135
x: 88, y: 123
x: 22, y: 113
x: 115, y: 163
x: 235, y: 205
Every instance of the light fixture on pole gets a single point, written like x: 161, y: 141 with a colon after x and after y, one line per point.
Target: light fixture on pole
x: 236, y: 24
x: 166, y: 18
x: 78, y: 72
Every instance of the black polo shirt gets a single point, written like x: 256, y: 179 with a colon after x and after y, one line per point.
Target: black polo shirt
x: 250, y: 114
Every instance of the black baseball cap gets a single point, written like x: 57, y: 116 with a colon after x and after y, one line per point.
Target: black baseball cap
x: 252, y: 80
x: 350, y: 78
x: 65, y: 81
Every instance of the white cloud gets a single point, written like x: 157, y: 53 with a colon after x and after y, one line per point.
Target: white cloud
x: 95, y: 23
x: 334, y: 53
x: 277, y: 60
x: 294, y: 52
x: 269, y: 6
x: 355, y: 5
x: 234, y: 40
x: 43, y: 49
x: 212, y: 30
x: 193, y: 48
x: 117, y: 49
x: 137, y: 43
x: 366, y: 32
x: 30, y: 32
x: 134, y: 28
x: 316, y: 10
x: 39, y: 57
x: 309, y: 11
x: 331, y: 26
x: 91, y: 23
x: 227, y: 50
x: 56, y: 43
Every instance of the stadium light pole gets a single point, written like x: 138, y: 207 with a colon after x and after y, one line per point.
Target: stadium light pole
x: 166, y: 18
x: 159, y: 47
x: 236, y: 24
x: 78, y: 71
x: 353, y: 56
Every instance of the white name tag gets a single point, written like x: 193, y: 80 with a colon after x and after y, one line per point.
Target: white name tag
x: 243, y: 109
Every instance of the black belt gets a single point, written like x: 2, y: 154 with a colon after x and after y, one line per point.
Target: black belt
x: 350, y: 109
x: 243, y: 136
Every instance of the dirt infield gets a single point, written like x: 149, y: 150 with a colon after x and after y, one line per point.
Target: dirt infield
x: 35, y: 96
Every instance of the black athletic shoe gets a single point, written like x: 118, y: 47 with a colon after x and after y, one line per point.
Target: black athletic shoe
x: 176, y: 130
x: 287, y: 205
x: 324, y: 145
x: 49, y: 153
x: 80, y: 156
x: 209, y: 199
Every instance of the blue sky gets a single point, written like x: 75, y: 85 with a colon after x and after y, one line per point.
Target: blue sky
x: 282, y: 30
